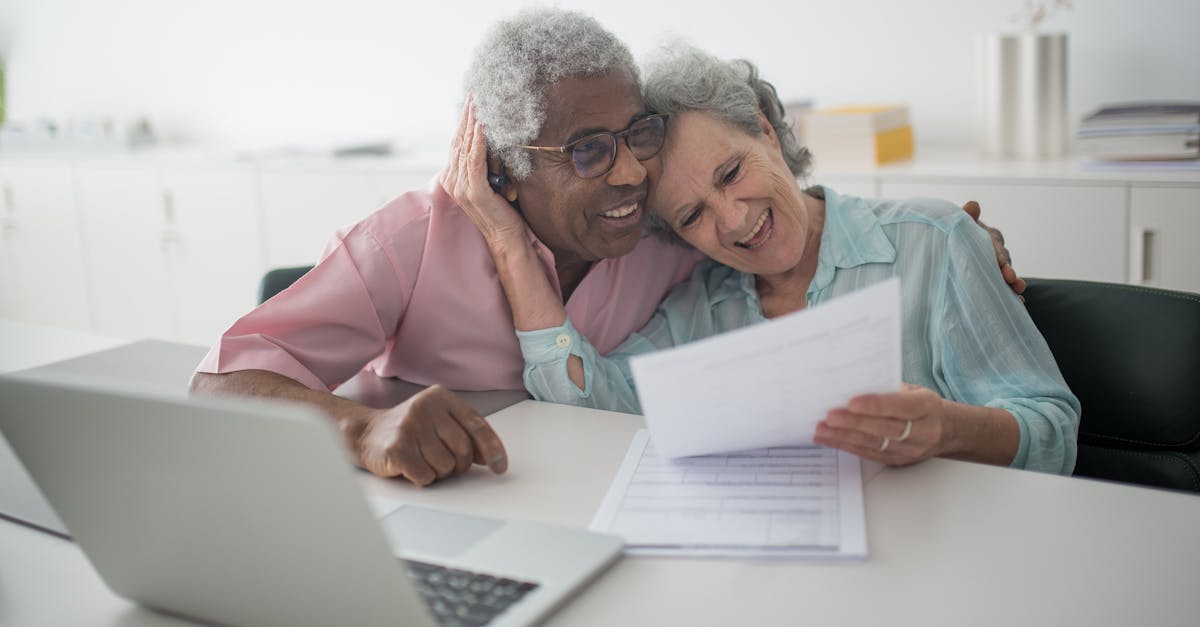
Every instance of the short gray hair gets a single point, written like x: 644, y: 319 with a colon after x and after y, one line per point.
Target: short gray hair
x: 685, y: 78
x: 516, y: 63
x: 682, y: 78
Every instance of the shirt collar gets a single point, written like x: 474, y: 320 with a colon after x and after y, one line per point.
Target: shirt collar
x: 852, y: 236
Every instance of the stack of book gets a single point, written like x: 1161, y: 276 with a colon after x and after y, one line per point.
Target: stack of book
x: 859, y: 136
x: 1142, y: 131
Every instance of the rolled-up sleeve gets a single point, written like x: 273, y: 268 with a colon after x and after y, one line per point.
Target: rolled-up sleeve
x: 328, y: 325
x: 987, y: 351
x: 608, y: 383
x: 685, y: 315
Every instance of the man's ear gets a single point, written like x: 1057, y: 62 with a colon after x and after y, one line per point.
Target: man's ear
x: 765, y: 125
x: 500, y: 180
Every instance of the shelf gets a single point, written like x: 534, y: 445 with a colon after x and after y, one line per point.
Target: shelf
x: 932, y: 164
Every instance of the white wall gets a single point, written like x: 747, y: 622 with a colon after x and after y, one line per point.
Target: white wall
x: 260, y: 73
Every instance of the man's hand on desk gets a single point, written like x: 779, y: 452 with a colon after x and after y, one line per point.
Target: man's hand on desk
x: 431, y: 436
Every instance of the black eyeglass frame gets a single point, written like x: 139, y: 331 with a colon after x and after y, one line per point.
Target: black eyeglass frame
x: 612, y: 137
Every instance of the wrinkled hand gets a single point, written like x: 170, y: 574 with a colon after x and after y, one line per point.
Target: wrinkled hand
x: 431, y: 436
x: 465, y: 180
x: 861, y: 427
x: 1016, y: 283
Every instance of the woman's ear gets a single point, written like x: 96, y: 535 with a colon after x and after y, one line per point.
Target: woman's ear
x: 767, y: 129
x: 499, y: 179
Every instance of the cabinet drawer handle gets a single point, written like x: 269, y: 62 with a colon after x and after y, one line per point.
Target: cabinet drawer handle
x: 9, y: 204
x: 1143, y: 249
x: 168, y: 207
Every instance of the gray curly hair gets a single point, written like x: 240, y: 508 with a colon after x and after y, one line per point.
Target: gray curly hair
x: 682, y: 78
x: 520, y: 59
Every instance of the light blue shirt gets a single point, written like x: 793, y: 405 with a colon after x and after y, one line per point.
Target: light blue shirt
x: 965, y: 334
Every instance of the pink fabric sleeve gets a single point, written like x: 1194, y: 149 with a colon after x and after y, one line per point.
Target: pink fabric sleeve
x: 334, y: 320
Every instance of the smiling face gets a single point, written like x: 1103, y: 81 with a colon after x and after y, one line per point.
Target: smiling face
x: 731, y: 195
x: 586, y: 219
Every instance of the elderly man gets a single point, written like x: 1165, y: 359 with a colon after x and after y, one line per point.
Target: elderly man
x: 412, y: 290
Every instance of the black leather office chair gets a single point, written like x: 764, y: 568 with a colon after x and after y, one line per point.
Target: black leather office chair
x: 277, y: 280
x: 1132, y: 356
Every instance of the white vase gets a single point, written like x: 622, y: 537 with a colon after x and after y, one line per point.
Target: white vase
x: 1023, y: 95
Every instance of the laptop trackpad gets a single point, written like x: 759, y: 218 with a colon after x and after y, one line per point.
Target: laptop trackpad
x: 435, y: 533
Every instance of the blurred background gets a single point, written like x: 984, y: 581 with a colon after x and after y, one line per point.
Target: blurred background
x: 159, y: 156
x: 263, y: 73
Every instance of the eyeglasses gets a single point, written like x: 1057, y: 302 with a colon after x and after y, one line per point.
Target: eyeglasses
x: 595, y: 154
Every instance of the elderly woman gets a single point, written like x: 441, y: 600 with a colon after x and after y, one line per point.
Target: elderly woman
x: 981, y: 383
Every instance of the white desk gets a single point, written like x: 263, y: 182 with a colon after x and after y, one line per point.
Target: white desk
x: 25, y: 346
x: 951, y: 543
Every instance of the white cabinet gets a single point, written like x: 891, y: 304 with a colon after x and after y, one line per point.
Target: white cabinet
x: 174, y: 253
x: 304, y: 204
x: 42, y: 276
x: 125, y: 233
x: 1053, y: 231
x: 302, y: 209
x: 1165, y: 237
x: 170, y: 246
x: 1062, y: 218
x: 173, y: 246
x: 213, y: 246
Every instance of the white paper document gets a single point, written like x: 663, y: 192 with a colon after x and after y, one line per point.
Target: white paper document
x: 786, y: 502
x: 770, y: 384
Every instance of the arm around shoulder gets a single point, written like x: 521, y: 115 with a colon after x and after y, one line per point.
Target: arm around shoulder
x: 993, y: 356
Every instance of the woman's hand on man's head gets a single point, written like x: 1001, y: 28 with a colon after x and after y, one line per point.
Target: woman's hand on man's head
x: 465, y: 179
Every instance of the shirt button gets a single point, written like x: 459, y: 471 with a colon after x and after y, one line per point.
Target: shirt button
x: 563, y: 340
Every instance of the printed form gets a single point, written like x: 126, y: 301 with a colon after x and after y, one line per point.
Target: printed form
x: 782, y: 502
x: 771, y: 383
x: 728, y: 466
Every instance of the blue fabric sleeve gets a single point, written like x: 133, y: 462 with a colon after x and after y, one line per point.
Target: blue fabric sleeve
x: 608, y: 383
x: 988, y: 352
x: 685, y: 315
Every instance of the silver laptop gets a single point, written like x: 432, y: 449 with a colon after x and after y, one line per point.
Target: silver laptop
x: 158, y: 366
x: 247, y: 512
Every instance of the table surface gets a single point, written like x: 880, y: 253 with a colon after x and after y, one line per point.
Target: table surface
x: 951, y: 543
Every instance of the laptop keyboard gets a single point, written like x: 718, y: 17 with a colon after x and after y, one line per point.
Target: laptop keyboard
x: 464, y: 598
